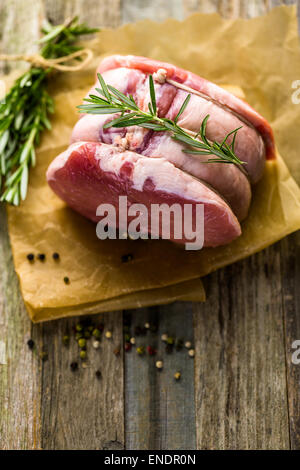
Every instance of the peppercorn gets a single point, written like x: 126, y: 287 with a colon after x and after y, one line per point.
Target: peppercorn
x: 179, y: 344
x: 127, y: 338
x: 74, y: 366
x: 30, y: 344
x: 82, y: 354
x: 117, y: 351
x: 170, y: 340
x: 66, y: 280
x: 151, y: 351
x: 66, y: 340
x: 108, y: 334
x: 126, y: 258
x: 188, y: 344
x: 140, y: 350
x: 90, y: 328
x: 55, y: 256
x: 164, y: 337
x: 98, y: 374
x: 87, y: 334
x: 79, y: 327
x: 159, y: 364
x: 30, y: 257
x: 127, y: 347
x: 177, y: 375
x: 84, y: 365
x: 44, y: 356
x: 96, y: 333
x: 132, y: 340
x: 82, y: 343
x: 96, y: 344
x: 78, y: 335
x: 191, y: 352
x: 147, y: 325
x: 41, y: 256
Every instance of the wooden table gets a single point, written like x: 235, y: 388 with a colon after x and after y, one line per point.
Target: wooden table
x: 240, y: 392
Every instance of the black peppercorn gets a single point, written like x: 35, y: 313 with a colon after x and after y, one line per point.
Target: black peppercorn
x: 66, y: 280
x: 55, y: 256
x: 98, y: 374
x: 30, y: 257
x: 30, y: 344
x: 126, y: 258
x: 74, y: 366
x: 41, y: 256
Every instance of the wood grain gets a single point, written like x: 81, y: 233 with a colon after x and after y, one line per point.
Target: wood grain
x: 241, y: 396
x: 160, y: 412
x: 80, y: 411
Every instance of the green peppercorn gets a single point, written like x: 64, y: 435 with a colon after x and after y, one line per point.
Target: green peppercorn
x: 170, y: 340
x: 90, y: 328
x: 78, y: 336
x: 44, y: 356
x: 82, y: 343
x: 140, y: 350
x: 82, y: 354
x: 127, y: 337
x: 87, y: 334
x: 66, y: 340
x: 96, y: 333
x: 79, y: 327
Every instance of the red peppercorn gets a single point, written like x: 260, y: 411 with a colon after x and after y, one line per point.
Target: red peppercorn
x: 151, y: 351
x: 127, y: 347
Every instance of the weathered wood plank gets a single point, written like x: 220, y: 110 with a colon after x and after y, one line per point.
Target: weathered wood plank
x: 159, y: 10
x: 79, y: 411
x: 96, y: 14
x: 290, y: 268
x: 20, y: 390
x: 159, y: 412
x: 241, y: 396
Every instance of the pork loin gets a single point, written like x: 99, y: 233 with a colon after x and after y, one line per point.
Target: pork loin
x: 89, y: 174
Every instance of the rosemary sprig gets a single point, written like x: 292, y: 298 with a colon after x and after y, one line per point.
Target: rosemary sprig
x: 24, y: 112
x: 112, y: 101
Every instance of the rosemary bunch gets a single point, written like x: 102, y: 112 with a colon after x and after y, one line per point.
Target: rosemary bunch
x: 113, y: 101
x: 24, y: 112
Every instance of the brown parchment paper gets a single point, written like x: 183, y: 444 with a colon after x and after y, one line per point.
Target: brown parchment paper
x: 262, y: 57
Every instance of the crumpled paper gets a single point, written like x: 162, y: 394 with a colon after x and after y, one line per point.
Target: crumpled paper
x: 244, y: 53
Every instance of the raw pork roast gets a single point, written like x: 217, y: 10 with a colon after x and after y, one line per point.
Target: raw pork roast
x: 153, y: 169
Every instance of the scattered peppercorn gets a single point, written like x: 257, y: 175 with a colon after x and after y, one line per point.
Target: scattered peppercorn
x: 55, y: 256
x: 96, y: 344
x: 126, y: 258
x: 82, y: 354
x: 96, y: 333
x: 179, y: 344
x: 98, y: 374
x: 66, y: 340
x: 127, y: 347
x: 188, y: 344
x: 41, y: 256
x: 164, y: 337
x: 159, y: 364
x: 108, y: 334
x: 30, y: 257
x: 170, y: 340
x: 177, y: 375
x: 127, y: 338
x: 78, y: 335
x: 82, y: 343
x: 87, y: 334
x: 90, y: 328
x: 84, y: 365
x: 30, y: 344
x: 151, y: 351
x: 140, y: 350
x: 132, y: 340
x: 147, y: 325
x: 73, y: 366
x: 44, y: 356
x: 66, y: 280
x: 117, y: 351
x: 79, y: 327
x: 191, y: 352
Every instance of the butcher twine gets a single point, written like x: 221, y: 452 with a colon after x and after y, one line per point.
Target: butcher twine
x: 57, y: 64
